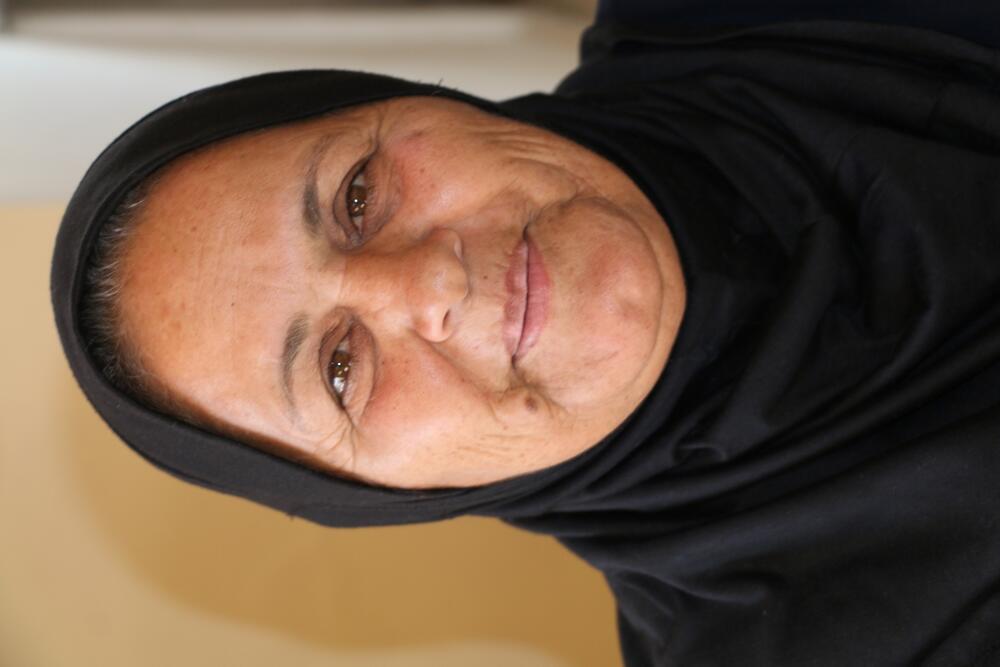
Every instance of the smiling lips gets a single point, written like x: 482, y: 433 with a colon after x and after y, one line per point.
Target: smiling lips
x: 528, y: 291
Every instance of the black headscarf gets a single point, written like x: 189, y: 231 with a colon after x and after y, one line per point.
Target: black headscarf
x: 815, y: 478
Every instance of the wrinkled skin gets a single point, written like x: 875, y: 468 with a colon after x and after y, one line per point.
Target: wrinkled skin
x: 221, y: 263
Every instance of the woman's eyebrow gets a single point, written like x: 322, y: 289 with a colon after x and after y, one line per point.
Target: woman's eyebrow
x: 312, y: 218
x: 295, y: 335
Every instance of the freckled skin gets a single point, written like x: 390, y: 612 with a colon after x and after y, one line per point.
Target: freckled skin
x: 221, y: 262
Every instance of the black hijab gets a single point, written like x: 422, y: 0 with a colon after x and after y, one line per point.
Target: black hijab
x: 815, y: 477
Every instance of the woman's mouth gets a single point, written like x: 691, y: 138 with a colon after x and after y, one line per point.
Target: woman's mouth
x: 528, y: 293
x: 517, y: 297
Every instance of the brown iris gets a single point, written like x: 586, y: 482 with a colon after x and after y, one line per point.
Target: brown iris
x: 356, y: 197
x: 338, y: 370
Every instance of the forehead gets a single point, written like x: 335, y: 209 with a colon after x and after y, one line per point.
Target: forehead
x: 265, y: 144
x: 217, y: 242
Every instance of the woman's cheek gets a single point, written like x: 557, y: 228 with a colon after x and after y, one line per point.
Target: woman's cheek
x: 442, y: 183
x: 412, y: 404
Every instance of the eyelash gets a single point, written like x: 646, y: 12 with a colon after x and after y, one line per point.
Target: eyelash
x: 332, y: 368
x: 356, y: 234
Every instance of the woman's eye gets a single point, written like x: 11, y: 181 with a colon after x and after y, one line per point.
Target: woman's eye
x: 339, y: 370
x: 357, y: 199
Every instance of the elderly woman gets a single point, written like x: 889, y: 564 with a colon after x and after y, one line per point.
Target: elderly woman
x: 719, y: 314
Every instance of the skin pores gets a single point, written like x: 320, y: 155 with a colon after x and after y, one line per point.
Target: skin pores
x: 260, y: 241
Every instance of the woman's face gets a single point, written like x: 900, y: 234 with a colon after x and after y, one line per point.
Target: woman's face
x: 350, y: 291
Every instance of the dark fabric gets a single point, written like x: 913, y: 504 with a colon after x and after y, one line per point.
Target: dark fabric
x: 813, y: 481
x: 816, y: 480
x: 975, y: 20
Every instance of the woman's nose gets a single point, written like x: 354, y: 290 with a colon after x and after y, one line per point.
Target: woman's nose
x: 423, y: 283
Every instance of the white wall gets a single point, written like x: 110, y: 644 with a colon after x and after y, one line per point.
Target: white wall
x: 71, y: 81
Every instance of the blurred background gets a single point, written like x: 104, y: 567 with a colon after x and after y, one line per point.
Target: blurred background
x: 106, y: 561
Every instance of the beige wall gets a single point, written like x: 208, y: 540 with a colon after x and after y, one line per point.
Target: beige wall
x: 105, y: 561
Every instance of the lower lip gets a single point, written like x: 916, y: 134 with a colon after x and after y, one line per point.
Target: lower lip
x: 539, y: 292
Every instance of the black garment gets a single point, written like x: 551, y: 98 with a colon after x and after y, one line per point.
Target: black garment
x: 815, y: 478
x: 976, y: 20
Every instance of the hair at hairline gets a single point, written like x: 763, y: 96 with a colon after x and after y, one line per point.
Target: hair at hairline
x: 104, y: 330
x: 101, y: 315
